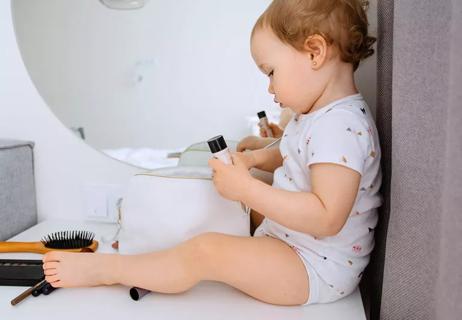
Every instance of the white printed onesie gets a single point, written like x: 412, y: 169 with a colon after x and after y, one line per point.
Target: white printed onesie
x: 343, y: 132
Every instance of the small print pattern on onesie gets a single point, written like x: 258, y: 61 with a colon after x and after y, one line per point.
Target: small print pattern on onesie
x: 344, y: 133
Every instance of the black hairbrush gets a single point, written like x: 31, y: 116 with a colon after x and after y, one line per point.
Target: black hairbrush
x: 72, y: 241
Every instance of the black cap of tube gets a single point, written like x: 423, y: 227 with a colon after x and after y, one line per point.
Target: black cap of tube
x: 138, y: 293
x: 47, y: 289
x: 216, y: 144
x: 261, y: 114
x: 38, y: 291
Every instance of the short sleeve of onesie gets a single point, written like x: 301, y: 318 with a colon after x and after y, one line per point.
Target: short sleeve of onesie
x: 338, y: 136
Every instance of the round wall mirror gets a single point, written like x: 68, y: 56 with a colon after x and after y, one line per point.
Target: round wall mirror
x: 143, y: 85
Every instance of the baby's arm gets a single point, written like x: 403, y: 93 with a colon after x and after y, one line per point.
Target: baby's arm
x: 266, y: 159
x: 321, y: 212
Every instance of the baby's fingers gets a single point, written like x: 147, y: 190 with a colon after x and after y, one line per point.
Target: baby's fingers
x: 263, y: 133
x: 238, y: 161
x: 215, y: 164
x: 277, y: 130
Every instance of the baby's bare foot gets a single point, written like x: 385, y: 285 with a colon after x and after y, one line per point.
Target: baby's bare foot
x: 67, y: 269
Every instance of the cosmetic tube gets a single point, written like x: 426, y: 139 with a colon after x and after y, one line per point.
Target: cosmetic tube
x: 138, y: 293
x: 219, y: 149
x: 263, y: 123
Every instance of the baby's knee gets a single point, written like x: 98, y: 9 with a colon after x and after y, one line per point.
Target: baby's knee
x: 202, y: 248
x: 204, y: 245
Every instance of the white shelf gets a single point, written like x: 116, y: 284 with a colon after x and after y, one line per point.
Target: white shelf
x: 208, y: 300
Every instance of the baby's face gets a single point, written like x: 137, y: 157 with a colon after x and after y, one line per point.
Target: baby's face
x: 293, y: 82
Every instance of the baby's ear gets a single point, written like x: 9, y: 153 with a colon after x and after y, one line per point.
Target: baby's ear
x: 316, y: 48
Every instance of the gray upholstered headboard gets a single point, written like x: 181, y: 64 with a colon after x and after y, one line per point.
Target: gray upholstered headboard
x: 415, y: 270
x: 18, y: 209
x: 371, y: 284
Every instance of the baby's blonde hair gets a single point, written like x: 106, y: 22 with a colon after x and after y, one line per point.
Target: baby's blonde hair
x: 342, y: 23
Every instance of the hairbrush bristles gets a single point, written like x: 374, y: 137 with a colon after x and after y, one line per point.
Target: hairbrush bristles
x: 68, y: 239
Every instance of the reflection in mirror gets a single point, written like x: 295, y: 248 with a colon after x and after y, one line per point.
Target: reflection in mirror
x: 144, y: 84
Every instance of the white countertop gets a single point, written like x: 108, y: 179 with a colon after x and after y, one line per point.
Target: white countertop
x: 208, y: 300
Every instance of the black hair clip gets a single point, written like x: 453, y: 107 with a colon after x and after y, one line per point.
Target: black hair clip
x: 46, y: 288
x: 38, y: 291
x: 41, y: 287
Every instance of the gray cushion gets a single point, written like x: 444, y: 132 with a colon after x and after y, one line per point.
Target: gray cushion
x: 422, y: 277
x: 371, y: 283
x: 18, y: 209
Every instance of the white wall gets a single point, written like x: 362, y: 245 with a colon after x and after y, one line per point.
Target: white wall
x: 63, y: 163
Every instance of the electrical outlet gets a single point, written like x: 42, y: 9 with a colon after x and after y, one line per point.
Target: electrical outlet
x: 102, y: 202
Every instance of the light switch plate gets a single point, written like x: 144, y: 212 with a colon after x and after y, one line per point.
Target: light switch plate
x: 100, y: 202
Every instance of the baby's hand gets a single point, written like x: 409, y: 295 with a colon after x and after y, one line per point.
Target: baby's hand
x: 247, y: 158
x: 230, y: 180
x: 277, y: 131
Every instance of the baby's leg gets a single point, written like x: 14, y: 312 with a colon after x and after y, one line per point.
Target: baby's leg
x: 263, y: 267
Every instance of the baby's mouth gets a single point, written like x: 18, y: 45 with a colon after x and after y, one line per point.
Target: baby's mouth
x: 280, y: 104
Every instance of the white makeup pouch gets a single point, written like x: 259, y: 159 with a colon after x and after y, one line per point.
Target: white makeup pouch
x: 164, y: 207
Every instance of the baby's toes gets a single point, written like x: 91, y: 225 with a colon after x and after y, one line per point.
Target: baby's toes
x: 52, y: 278
x: 50, y: 272
x: 58, y: 284
x: 52, y: 256
x: 50, y: 265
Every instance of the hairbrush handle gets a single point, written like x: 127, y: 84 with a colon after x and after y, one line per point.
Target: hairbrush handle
x: 38, y: 247
x: 35, y: 247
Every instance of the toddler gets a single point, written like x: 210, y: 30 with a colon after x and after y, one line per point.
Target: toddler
x: 316, y: 222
